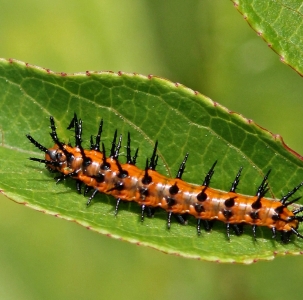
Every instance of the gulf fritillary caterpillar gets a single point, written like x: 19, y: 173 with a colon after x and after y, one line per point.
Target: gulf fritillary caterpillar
x: 126, y: 182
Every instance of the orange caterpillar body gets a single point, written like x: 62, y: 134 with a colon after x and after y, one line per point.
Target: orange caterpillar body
x: 149, y: 189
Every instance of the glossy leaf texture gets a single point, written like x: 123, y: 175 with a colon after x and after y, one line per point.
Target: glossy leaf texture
x: 151, y: 109
x: 280, y: 24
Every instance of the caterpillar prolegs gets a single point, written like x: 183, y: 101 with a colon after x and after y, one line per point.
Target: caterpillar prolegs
x: 104, y: 173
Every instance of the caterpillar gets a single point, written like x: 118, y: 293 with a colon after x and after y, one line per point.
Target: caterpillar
x: 104, y: 173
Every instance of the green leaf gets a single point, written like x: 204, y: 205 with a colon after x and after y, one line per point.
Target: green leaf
x: 279, y: 23
x: 151, y: 109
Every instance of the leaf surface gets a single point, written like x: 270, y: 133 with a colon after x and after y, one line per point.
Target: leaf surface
x: 151, y: 109
x: 280, y: 24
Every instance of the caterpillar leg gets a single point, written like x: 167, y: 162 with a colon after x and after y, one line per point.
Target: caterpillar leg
x: 150, y: 211
x: 117, y: 206
x: 237, y: 228
x: 296, y: 233
x: 169, y: 214
x: 142, y: 212
x: 207, y: 225
x: 78, y: 186
x: 228, y: 231
x: 91, y: 197
x: 87, y: 190
x: 285, y: 235
x: 64, y: 176
x: 180, y: 219
x: 254, y: 228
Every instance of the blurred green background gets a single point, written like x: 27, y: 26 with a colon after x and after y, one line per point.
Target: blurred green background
x: 205, y: 45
